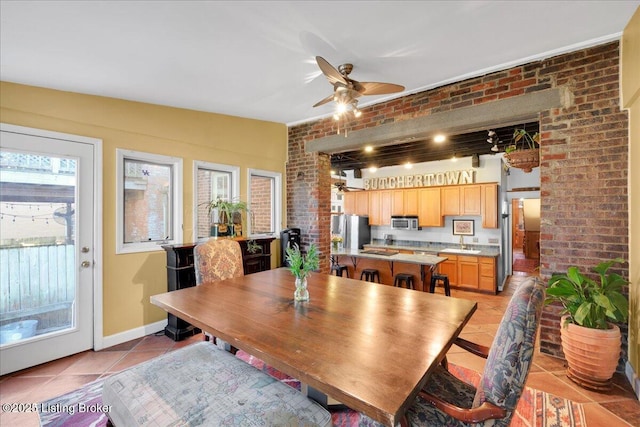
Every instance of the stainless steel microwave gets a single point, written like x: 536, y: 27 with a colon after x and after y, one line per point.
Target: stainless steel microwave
x: 404, y: 222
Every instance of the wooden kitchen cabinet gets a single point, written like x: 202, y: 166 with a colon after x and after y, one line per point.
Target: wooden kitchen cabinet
x: 468, y: 272
x: 356, y: 202
x: 449, y: 267
x: 450, y: 200
x: 397, y: 202
x: 380, y: 207
x: 487, y: 280
x: 429, y: 212
x: 489, y: 196
x: 470, y: 200
x: 410, y: 201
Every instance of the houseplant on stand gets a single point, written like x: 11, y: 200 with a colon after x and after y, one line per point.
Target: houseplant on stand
x: 590, y: 341
x: 301, y: 267
x: 225, y: 215
x: 524, y: 152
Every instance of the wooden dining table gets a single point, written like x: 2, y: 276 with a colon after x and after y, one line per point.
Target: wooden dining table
x: 366, y: 345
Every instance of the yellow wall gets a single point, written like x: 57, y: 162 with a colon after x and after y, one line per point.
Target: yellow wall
x: 630, y: 70
x: 130, y: 279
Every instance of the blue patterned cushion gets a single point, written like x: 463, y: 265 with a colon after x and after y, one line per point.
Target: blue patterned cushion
x: 205, y: 386
x: 505, y: 371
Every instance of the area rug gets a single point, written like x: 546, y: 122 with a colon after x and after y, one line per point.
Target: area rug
x: 83, y: 407
x: 526, y: 265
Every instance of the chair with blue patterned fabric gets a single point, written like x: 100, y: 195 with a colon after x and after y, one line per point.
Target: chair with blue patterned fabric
x: 448, y: 401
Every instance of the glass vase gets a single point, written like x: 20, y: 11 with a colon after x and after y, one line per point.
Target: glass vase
x: 301, y: 293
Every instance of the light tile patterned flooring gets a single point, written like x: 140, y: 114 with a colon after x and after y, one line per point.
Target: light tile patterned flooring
x: 618, y: 407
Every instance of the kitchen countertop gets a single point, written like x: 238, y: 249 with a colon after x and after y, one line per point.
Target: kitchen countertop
x: 436, y: 248
x: 422, y: 259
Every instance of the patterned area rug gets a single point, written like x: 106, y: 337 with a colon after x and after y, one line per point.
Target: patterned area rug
x: 526, y: 265
x: 83, y: 407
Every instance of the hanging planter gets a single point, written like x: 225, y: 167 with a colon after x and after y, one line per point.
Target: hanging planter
x: 524, y: 152
x: 524, y: 159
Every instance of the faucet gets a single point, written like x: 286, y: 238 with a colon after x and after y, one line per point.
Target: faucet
x: 462, y: 245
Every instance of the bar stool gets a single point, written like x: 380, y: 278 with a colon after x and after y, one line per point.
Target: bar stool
x: 339, y: 269
x: 435, y: 278
x: 370, y: 275
x: 403, y: 280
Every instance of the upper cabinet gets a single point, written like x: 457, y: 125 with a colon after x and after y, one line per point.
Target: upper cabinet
x: 430, y: 204
x: 356, y: 202
x: 429, y: 212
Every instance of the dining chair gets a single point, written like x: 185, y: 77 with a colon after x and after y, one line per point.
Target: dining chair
x: 216, y: 260
x: 448, y: 401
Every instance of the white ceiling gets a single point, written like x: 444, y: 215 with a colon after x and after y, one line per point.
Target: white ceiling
x: 256, y: 59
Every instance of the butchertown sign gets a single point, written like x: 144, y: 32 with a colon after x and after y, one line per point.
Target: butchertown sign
x: 458, y: 177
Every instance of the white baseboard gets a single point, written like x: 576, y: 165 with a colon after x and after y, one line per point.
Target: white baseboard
x: 633, y: 379
x: 133, y: 334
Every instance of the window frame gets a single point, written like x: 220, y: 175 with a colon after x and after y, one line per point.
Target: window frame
x: 276, y: 202
x: 176, y: 200
x: 217, y: 167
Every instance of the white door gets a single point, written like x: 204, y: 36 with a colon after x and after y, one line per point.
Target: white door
x: 47, y: 206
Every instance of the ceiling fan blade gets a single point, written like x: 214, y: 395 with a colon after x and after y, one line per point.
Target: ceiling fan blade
x: 376, y: 88
x: 330, y: 71
x: 324, y: 101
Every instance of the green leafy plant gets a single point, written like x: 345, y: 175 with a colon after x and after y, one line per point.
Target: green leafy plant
x: 253, y: 246
x: 525, y: 139
x: 302, y: 265
x: 587, y: 302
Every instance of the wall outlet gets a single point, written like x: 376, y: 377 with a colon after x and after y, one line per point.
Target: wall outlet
x: 494, y: 241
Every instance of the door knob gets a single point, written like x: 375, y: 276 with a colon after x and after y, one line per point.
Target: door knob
x: 85, y: 264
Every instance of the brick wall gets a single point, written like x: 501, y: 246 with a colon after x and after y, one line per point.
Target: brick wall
x: 583, y: 172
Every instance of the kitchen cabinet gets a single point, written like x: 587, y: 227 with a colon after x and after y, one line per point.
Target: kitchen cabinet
x: 380, y: 207
x: 356, y: 203
x: 397, y: 202
x: 487, y: 279
x: 470, y: 200
x: 449, y: 267
x: 429, y: 212
x: 410, y: 197
x: 450, y: 200
x: 489, y: 203
x: 470, y: 272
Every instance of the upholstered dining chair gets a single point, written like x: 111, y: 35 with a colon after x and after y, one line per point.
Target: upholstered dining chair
x: 448, y: 401
x: 216, y: 260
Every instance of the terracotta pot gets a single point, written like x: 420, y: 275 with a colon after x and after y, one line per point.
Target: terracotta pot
x: 592, y: 354
x: 524, y: 159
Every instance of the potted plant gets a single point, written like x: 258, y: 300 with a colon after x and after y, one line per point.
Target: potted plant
x: 225, y: 215
x: 336, y: 239
x: 524, y: 152
x: 301, y: 266
x: 590, y: 341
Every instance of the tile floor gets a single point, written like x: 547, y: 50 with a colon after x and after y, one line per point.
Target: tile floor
x: 617, y: 407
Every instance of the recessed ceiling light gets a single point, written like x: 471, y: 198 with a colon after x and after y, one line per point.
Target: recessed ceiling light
x: 408, y: 165
x: 368, y: 149
x: 439, y: 138
x: 372, y: 169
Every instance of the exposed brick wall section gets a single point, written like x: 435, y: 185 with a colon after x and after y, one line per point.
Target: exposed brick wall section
x: 309, y: 193
x: 583, y: 170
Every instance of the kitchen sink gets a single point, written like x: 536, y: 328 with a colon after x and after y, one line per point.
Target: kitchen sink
x: 461, y: 251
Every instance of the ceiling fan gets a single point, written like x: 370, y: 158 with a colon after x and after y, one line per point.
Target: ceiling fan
x: 346, y: 90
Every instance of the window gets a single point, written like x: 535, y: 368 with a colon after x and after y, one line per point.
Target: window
x: 148, y: 202
x: 265, y: 190
x: 211, y: 182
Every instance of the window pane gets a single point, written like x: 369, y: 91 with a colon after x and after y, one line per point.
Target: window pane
x: 210, y: 185
x: 147, y: 201
x: 262, y: 198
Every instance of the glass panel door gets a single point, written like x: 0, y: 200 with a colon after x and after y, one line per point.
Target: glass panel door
x: 46, y: 281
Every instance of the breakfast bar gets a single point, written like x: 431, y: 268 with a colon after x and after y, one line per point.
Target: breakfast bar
x: 388, y: 263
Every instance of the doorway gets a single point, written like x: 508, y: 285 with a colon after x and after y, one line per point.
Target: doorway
x: 525, y: 235
x: 48, y: 241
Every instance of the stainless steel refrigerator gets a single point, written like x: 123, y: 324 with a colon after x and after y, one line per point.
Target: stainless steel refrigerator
x: 354, y: 229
